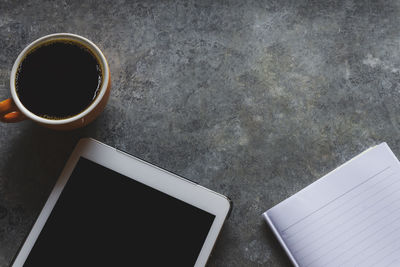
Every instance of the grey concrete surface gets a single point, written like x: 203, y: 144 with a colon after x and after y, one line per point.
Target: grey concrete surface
x: 253, y: 99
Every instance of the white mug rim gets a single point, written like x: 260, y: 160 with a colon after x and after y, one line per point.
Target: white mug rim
x: 87, y: 110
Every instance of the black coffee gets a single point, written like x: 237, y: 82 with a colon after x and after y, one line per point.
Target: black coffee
x: 58, y: 79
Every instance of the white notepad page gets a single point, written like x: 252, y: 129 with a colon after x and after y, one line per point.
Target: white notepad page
x: 350, y: 217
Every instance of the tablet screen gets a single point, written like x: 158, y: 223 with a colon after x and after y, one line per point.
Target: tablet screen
x: 103, y: 218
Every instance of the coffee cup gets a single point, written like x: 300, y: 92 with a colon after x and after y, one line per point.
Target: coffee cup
x: 61, y: 81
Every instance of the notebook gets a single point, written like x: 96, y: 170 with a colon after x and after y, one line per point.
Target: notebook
x: 349, y: 217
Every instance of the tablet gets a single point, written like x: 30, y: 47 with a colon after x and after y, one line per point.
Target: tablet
x: 109, y: 208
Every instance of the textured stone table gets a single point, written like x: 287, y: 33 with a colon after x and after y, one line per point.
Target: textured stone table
x: 253, y: 99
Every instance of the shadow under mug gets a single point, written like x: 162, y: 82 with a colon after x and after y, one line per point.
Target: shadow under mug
x: 12, y: 110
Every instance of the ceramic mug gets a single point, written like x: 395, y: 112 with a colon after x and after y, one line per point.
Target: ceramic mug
x: 12, y: 110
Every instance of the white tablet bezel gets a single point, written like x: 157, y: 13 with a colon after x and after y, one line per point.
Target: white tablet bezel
x: 142, y: 172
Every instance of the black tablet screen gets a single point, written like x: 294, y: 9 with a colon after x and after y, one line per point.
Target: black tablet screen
x: 103, y: 218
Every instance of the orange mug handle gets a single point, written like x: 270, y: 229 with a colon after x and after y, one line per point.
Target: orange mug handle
x: 9, y: 112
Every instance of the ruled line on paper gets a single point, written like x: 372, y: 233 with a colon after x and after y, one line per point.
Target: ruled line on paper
x: 384, y: 247
x: 350, y: 228
x: 376, y: 251
x: 296, y: 232
x: 339, y: 235
x: 350, y: 217
x: 374, y: 209
x: 385, y: 256
x: 349, y: 238
x: 337, y: 226
x: 335, y: 199
x: 395, y: 261
x: 328, y: 263
x: 358, y: 245
x: 304, y: 229
x: 341, y: 244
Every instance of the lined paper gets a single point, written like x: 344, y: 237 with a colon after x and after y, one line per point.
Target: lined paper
x: 350, y: 217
